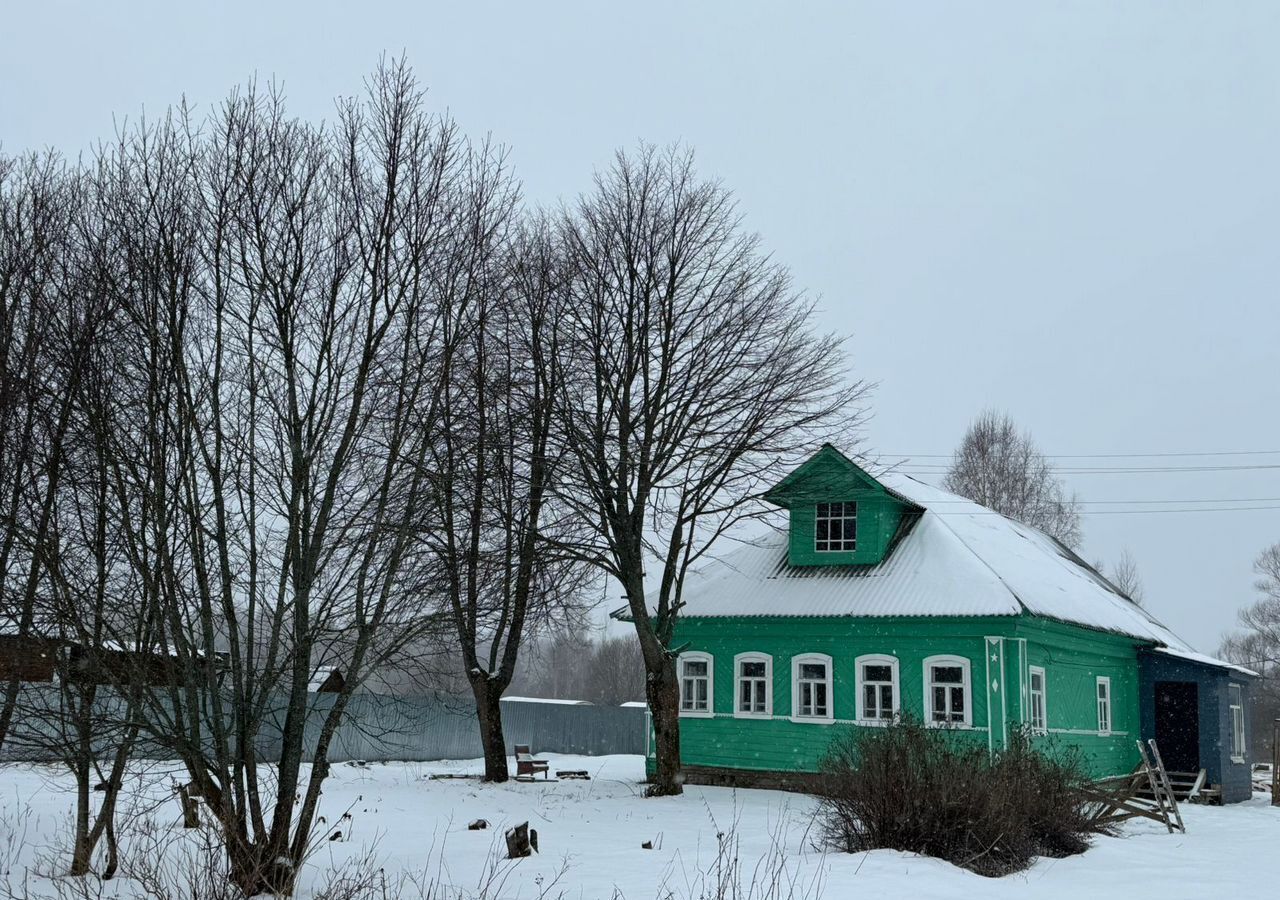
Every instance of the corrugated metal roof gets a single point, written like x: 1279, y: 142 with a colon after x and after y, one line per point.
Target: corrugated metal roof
x: 959, y: 559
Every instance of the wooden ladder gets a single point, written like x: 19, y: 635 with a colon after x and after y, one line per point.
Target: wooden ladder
x: 1161, y: 788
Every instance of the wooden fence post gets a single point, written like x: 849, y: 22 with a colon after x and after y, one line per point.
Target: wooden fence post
x: 1275, y: 763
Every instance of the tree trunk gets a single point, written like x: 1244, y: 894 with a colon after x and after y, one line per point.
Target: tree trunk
x: 663, y: 690
x: 488, y: 694
x: 82, y: 848
x: 261, y: 867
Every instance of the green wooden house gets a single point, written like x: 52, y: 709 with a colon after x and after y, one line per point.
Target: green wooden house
x: 886, y: 596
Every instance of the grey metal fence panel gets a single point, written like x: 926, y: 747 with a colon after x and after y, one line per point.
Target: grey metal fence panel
x: 381, y: 728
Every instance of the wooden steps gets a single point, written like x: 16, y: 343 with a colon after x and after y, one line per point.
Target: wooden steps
x: 1188, y: 787
x: 1147, y: 791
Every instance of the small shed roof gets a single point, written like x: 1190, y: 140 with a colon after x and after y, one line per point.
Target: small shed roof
x: 555, y: 700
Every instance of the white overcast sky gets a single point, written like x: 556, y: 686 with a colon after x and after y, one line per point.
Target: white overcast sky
x: 1069, y: 211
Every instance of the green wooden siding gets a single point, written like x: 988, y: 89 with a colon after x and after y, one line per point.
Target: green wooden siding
x: 999, y: 651
x: 878, y: 518
x: 829, y: 477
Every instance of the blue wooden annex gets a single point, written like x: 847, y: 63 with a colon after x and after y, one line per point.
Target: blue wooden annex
x: 1197, y: 709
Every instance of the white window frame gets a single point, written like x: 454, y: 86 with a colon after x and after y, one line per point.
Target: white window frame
x: 841, y: 519
x: 948, y: 659
x: 738, y: 660
x: 796, y: 663
x: 1239, y: 748
x: 876, y: 659
x: 1105, y: 705
x: 1041, y: 727
x: 698, y: 656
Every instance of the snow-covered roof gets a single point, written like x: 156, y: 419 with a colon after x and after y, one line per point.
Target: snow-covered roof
x: 548, y: 700
x: 1205, y: 659
x: 957, y: 559
x: 634, y: 704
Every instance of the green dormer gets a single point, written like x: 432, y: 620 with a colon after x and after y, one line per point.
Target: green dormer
x: 840, y: 515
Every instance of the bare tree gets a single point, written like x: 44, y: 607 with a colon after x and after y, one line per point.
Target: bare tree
x: 1001, y: 468
x: 692, y: 373
x: 76, y: 592
x: 42, y: 355
x: 287, y: 345
x: 1257, y: 646
x: 493, y: 517
x: 1125, y: 576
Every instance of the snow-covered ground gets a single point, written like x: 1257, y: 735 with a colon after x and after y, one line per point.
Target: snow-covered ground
x: 591, y: 834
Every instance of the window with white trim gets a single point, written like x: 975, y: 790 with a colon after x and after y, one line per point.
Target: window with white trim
x: 836, y: 527
x: 948, y: 691
x: 695, y: 684
x: 1236, y: 697
x: 1104, y: 704
x: 877, y: 683
x: 811, y: 697
x: 1039, y: 719
x: 753, y: 682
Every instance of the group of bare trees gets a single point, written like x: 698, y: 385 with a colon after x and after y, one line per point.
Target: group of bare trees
x: 1257, y: 645
x: 279, y: 396
x: 575, y: 665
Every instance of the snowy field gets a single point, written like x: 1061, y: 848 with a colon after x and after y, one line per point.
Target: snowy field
x: 590, y: 836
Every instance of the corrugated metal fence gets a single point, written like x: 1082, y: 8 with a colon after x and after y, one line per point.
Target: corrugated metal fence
x: 416, y: 728
x: 378, y: 728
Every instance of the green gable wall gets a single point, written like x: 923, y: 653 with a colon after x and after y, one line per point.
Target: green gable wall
x: 826, y: 477
x: 999, y: 651
x: 878, y: 518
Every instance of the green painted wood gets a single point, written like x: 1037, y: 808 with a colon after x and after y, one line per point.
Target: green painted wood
x: 1073, y: 657
x: 830, y: 476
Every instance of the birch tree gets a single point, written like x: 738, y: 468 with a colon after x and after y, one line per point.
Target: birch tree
x: 1001, y: 468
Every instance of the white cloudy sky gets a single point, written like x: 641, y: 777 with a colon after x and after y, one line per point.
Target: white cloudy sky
x: 1069, y: 211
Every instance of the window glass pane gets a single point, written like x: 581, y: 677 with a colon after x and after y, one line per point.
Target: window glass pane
x: 877, y: 673
x: 820, y: 704
x: 948, y: 675
x: 823, y: 526
x: 939, y: 704
x: 815, y: 671
x: 957, y: 703
x: 869, y: 699
x: 695, y: 668
x: 886, y: 701
x: 1037, y: 683
x: 753, y: 669
x: 1102, y: 690
x: 702, y: 694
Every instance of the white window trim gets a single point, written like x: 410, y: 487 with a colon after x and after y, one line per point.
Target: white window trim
x: 1237, y: 732
x: 948, y: 659
x: 796, y: 662
x: 1043, y: 727
x: 696, y: 656
x: 854, y: 517
x: 875, y: 659
x: 1111, y: 706
x: 753, y: 656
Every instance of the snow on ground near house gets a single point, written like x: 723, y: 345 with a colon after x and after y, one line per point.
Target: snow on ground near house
x: 590, y: 835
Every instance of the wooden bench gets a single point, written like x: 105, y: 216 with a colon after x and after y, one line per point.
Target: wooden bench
x: 528, y: 765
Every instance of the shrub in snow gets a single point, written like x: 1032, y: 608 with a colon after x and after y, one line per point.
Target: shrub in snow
x: 936, y: 792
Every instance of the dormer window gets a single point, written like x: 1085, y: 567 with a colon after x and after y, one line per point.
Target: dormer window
x: 837, y: 527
